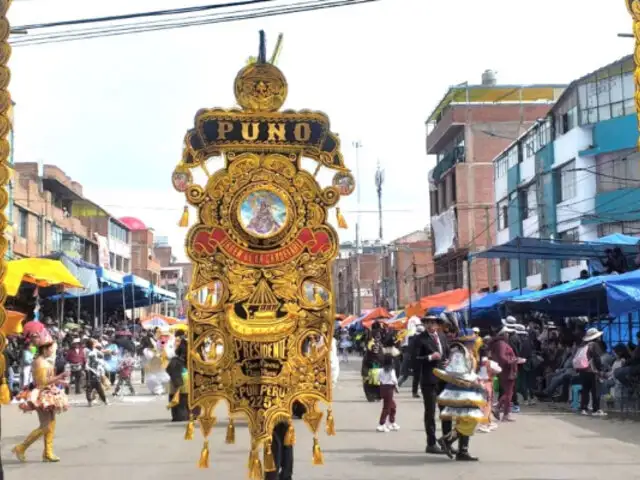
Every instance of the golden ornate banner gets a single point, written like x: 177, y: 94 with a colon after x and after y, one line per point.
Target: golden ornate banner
x: 261, y: 309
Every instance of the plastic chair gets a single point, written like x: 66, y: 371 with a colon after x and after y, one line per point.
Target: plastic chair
x: 575, y: 396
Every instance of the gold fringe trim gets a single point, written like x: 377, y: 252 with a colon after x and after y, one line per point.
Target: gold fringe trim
x: 230, y: 439
x: 184, y: 218
x: 191, y: 427
x: 204, y: 456
x: 318, y: 458
x: 269, y: 461
x: 290, y: 436
x: 331, y: 425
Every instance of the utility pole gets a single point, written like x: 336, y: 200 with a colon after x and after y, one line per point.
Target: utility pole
x: 415, y: 278
x: 358, y: 145
x: 379, y: 182
x: 489, y: 261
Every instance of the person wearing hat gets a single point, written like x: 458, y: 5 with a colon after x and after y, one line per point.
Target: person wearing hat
x: 588, y: 363
x: 76, y: 359
x: 45, y: 398
x: 508, y: 361
x: 432, y: 350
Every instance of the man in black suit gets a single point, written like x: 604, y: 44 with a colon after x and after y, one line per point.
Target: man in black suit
x: 432, y: 351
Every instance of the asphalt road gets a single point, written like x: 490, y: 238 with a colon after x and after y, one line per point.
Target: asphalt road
x: 134, y: 439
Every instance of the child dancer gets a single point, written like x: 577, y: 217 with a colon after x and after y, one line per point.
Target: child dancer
x: 487, y: 373
x: 388, y: 386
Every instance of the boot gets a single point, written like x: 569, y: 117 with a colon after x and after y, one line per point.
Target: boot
x: 20, y: 449
x: 48, y: 455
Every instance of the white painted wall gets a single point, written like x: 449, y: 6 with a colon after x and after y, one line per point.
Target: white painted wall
x: 530, y: 227
x: 566, y: 148
x: 500, y: 186
x: 571, y: 273
x: 504, y: 285
x: 502, y: 236
x: 527, y: 169
x: 534, y: 281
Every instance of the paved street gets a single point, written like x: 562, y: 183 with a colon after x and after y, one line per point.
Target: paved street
x: 133, y: 439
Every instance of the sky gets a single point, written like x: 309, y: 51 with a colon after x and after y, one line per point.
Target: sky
x: 112, y: 112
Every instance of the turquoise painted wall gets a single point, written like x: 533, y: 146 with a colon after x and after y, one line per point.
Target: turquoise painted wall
x: 547, y: 210
x: 515, y: 230
x: 513, y: 178
x: 612, y: 135
x: 618, y: 205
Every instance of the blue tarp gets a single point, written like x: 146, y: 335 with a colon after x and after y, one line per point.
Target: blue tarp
x: 525, y: 248
x: 606, y: 294
x: 85, y: 272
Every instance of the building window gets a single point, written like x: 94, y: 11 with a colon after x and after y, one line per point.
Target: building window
x: 23, y: 223
x: 500, y: 167
x: 565, y: 182
x: 604, y: 98
x: 615, y: 171
x: 112, y: 261
x: 631, y: 228
x: 433, y: 197
x: 534, y: 267
x: 56, y: 239
x: 512, y: 157
x: 505, y: 269
x: 571, y: 235
x: 528, y: 201
x: 503, y: 214
x: 118, y: 232
x: 125, y: 265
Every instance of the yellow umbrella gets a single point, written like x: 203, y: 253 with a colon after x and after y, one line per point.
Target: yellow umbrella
x: 179, y: 326
x: 13, y: 323
x: 43, y: 272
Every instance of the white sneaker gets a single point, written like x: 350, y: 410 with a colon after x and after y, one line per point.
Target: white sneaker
x: 492, y: 426
x: 584, y: 412
x: 394, y: 427
x: 382, y: 429
x: 599, y: 413
x: 483, y: 429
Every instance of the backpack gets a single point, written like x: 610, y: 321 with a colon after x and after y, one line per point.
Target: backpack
x: 581, y: 360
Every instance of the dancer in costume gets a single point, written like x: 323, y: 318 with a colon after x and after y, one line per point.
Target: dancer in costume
x: 463, y: 399
x: 177, y: 371
x: 46, y: 398
x: 156, y: 361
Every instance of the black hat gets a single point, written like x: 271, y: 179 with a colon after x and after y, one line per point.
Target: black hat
x: 431, y: 318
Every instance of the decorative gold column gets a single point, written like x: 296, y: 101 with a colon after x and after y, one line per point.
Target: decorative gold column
x: 634, y: 10
x: 5, y: 128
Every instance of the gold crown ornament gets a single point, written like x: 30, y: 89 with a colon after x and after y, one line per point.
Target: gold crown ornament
x: 261, y: 312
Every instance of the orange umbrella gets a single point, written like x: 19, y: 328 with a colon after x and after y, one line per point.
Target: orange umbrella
x: 444, y: 299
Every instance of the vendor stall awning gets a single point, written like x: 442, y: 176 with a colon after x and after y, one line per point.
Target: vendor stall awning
x: 442, y: 300
x: 546, y: 249
x: 42, y: 272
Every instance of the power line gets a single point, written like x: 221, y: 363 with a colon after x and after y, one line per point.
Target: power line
x: 71, y: 35
x: 130, y: 16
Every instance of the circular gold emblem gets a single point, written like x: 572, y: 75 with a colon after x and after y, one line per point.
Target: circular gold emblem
x: 181, y: 179
x: 263, y: 213
x: 344, y: 183
x: 260, y: 87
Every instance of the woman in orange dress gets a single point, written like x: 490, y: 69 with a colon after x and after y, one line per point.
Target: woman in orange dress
x: 46, y: 398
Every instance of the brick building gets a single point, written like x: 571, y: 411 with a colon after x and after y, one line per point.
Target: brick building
x: 174, y: 276
x: 406, y: 264
x: 143, y: 260
x: 42, y: 215
x: 345, y: 273
x: 469, y: 127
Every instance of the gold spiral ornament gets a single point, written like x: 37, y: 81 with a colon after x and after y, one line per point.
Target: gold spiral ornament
x: 5, y: 127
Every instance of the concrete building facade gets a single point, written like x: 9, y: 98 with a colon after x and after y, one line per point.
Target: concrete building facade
x: 574, y: 176
x: 468, y: 128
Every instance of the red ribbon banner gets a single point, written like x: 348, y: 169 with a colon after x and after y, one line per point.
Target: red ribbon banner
x: 206, y: 242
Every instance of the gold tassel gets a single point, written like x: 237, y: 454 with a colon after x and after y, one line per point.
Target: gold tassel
x: 191, y: 427
x: 184, y: 218
x: 175, y: 400
x: 204, y: 456
x: 255, y: 467
x: 231, y: 433
x: 269, y: 462
x: 318, y: 458
x: 290, y: 436
x: 342, y: 223
x: 5, y: 394
x: 331, y: 424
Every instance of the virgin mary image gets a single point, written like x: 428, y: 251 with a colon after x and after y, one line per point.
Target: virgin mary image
x: 263, y: 221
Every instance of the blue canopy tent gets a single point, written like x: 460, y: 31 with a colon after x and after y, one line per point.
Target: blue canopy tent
x: 486, y: 311
x: 606, y: 294
x: 526, y: 248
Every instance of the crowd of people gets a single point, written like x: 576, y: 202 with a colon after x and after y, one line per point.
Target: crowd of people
x: 514, y: 363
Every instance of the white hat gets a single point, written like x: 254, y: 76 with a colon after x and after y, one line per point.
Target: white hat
x: 591, y: 334
x: 520, y: 329
x: 509, y: 321
x: 476, y: 330
x: 506, y: 329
